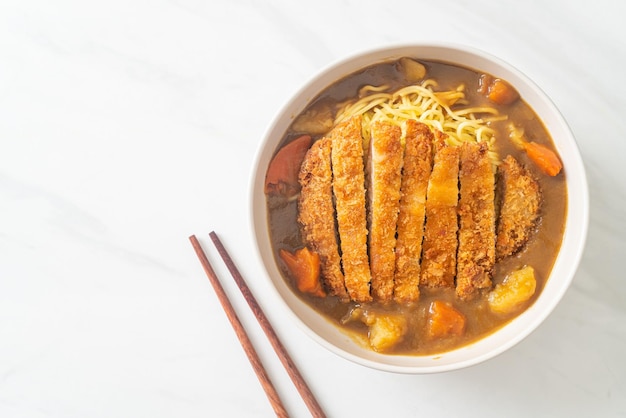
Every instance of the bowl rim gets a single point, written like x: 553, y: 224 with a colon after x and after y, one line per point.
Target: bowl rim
x: 573, y: 241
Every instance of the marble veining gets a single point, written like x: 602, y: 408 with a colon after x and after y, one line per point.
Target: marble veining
x: 127, y: 126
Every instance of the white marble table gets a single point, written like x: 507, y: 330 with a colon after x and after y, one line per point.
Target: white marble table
x: 126, y: 126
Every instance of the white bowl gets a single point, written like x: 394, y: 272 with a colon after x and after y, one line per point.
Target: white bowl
x: 328, y: 334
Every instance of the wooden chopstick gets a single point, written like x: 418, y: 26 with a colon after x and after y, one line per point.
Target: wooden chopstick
x: 260, y: 371
x: 281, y: 352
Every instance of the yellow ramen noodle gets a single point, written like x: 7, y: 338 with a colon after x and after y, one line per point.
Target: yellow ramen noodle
x: 433, y: 108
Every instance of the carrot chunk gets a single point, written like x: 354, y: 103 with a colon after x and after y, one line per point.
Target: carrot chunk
x: 544, y: 157
x: 304, y: 268
x: 282, y: 173
x: 444, y: 320
x: 502, y: 93
x: 497, y: 90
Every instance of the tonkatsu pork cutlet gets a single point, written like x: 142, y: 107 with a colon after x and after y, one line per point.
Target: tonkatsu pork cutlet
x: 316, y: 215
x: 519, y: 211
x: 384, y: 171
x: 415, y: 173
x: 477, y: 229
x: 349, y: 190
x: 440, y: 233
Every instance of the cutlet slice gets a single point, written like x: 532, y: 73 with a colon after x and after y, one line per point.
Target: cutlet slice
x: 519, y: 211
x: 440, y: 233
x: 384, y: 169
x: 477, y: 230
x: 316, y: 214
x: 415, y: 173
x: 349, y: 190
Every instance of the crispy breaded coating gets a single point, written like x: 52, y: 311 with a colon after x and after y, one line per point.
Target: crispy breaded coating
x: 349, y: 190
x: 440, y: 234
x: 519, y: 211
x: 477, y: 230
x: 415, y: 173
x: 316, y: 215
x: 384, y: 169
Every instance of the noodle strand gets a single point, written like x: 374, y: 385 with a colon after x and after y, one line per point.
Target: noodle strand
x: 433, y: 108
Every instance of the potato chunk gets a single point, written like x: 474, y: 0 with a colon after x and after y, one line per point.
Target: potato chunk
x: 517, y: 288
x: 385, y: 330
x: 318, y: 120
x: 413, y: 71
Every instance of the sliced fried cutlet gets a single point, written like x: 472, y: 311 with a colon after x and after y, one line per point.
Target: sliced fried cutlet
x: 477, y: 229
x: 384, y: 173
x: 415, y: 173
x: 349, y: 190
x: 440, y: 233
x: 316, y: 214
x: 520, y: 204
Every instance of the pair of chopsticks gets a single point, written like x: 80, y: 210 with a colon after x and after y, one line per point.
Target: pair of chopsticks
x: 288, y: 364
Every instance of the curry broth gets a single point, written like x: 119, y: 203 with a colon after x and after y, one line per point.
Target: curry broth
x: 540, y: 251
